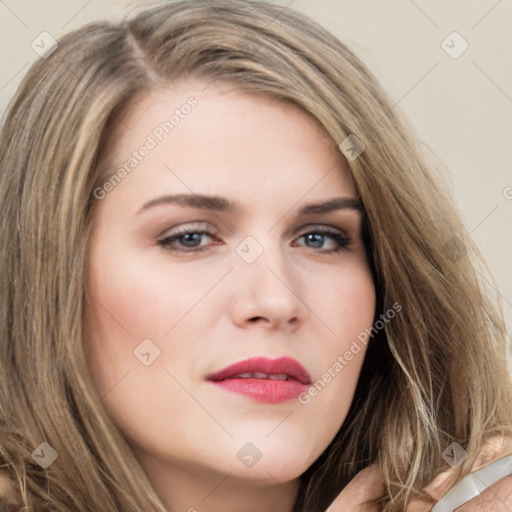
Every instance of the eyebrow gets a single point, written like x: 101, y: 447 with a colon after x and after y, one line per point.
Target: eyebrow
x: 224, y: 205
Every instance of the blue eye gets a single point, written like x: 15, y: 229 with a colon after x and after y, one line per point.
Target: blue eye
x: 319, y: 235
x: 189, y: 240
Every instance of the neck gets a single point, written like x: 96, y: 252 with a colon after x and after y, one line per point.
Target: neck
x: 198, y: 489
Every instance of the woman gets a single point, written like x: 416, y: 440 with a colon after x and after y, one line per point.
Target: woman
x: 328, y: 346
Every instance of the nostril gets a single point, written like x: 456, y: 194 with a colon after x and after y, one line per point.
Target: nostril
x: 256, y: 318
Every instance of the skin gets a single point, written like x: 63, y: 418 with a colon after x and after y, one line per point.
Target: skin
x: 207, y: 310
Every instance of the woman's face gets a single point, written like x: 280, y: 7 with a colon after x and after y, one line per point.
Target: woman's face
x: 271, y: 276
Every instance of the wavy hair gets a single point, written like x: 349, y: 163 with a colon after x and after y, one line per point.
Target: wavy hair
x: 436, y: 374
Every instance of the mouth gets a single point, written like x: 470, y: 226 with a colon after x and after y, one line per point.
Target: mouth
x: 264, y: 380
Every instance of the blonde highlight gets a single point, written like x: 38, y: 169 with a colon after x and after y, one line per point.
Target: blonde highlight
x: 435, y: 375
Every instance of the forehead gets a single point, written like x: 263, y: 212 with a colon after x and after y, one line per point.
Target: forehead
x: 211, y: 134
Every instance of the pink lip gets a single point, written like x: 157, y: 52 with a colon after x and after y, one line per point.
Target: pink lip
x: 264, y: 389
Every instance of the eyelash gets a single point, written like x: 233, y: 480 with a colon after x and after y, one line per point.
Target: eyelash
x: 341, y: 239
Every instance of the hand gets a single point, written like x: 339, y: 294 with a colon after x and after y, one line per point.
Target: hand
x: 366, y: 485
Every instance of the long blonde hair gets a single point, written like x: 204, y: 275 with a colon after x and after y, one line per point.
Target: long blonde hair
x: 436, y: 374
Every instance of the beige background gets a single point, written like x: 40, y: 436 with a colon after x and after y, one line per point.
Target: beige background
x: 461, y: 108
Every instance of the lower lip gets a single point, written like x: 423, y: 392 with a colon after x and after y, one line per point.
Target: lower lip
x: 264, y: 390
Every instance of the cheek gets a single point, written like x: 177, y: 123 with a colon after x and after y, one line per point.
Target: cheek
x: 131, y: 299
x: 348, y: 309
x: 343, y: 299
x: 121, y: 310
x: 354, y: 302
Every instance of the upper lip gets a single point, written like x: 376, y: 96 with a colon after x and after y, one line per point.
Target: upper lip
x: 281, y: 365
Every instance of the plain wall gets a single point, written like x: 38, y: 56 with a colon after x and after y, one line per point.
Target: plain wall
x: 460, y: 107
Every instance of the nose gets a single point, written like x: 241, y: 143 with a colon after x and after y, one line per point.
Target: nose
x: 266, y: 292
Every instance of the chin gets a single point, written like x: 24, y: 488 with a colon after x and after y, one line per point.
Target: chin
x: 282, y: 456
x: 282, y: 468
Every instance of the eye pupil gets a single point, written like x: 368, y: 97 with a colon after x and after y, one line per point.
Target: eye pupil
x: 316, y: 238
x: 191, y: 237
